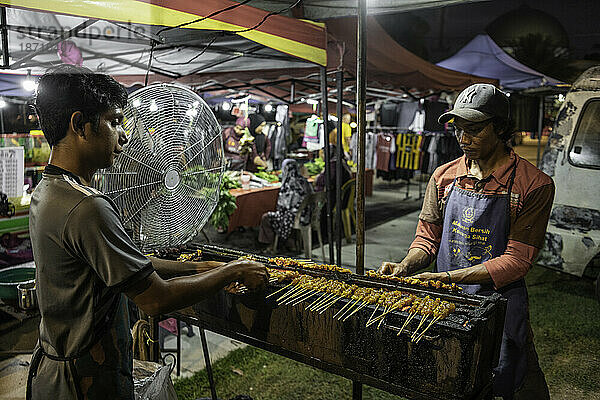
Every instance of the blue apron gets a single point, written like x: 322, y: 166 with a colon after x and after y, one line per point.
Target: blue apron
x: 475, y: 230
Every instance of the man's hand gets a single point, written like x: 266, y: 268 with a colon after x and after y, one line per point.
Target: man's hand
x: 395, y: 269
x: 432, y: 276
x: 251, y: 273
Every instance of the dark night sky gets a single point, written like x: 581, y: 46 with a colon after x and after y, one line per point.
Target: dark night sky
x: 422, y: 33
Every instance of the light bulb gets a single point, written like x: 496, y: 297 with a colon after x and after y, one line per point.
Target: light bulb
x: 226, y: 106
x: 153, y: 107
x: 136, y: 103
x: 268, y: 108
x: 29, y: 83
x: 353, y: 125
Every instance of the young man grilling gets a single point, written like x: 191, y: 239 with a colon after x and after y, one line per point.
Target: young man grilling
x: 483, y: 221
x: 86, y: 264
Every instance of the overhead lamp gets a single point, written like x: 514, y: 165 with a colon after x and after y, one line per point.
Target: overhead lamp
x: 136, y: 103
x: 226, y: 106
x: 29, y: 83
x: 153, y: 106
x: 2, y: 103
x: 268, y: 108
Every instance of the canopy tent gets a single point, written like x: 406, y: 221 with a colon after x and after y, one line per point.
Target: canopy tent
x: 483, y: 57
x: 119, y: 37
x: 392, y: 71
x: 324, y: 9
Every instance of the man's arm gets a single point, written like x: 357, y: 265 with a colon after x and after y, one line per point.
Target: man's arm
x: 154, y: 295
x: 170, y: 269
x: 471, y: 275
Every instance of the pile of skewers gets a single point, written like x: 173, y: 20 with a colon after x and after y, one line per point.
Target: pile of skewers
x: 322, y: 293
x: 407, y: 280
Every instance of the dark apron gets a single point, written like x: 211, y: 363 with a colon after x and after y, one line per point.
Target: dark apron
x: 83, y: 361
x: 476, y: 228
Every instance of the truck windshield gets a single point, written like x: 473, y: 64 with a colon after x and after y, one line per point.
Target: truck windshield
x: 585, y: 147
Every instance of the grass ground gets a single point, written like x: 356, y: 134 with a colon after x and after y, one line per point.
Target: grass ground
x: 564, y: 314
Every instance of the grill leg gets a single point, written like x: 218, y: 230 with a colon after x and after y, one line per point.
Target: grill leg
x: 178, y: 347
x: 356, y: 390
x: 211, y: 381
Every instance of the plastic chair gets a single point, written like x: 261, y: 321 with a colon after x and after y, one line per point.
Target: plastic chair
x: 348, y: 213
x: 316, y: 201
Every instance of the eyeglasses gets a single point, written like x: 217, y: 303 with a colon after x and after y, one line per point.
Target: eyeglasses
x: 472, y: 130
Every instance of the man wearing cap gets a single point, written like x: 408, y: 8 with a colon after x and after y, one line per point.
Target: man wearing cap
x: 483, y: 221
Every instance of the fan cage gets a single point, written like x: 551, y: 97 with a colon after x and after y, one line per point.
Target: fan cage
x: 166, y: 182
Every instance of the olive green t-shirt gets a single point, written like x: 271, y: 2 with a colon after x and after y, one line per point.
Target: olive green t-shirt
x: 84, y: 261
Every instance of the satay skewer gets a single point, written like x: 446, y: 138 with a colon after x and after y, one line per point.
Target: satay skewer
x: 347, y: 309
x: 355, y: 310
x: 372, y: 314
x: 318, y: 300
x: 283, y: 288
x: 324, y: 307
x: 416, y: 306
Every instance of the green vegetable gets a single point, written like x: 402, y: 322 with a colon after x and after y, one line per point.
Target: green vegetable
x: 268, y: 176
x: 315, y: 167
x: 226, y: 205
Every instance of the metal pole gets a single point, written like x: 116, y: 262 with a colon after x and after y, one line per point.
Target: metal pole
x: 211, y: 381
x: 325, y: 110
x: 339, y: 78
x: 5, y: 56
x: 540, y: 128
x: 292, y: 92
x: 356, y: 386
x: 361, y: 100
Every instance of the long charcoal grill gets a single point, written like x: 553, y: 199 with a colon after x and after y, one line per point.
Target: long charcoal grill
x: 453, y: 361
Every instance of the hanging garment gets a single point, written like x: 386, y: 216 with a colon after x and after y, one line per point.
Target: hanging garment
x: 393, y: 150
x: 418, y: 123
x: 433, y: 110
x: 384, y: 147
x: 406, y: 114
x: 370, y: 151
x: 388, y: 114
x: 282, y: 132
x: 313, y: 134
x: 424, y: 163
x: 475, y: 230
x: 409, y: 150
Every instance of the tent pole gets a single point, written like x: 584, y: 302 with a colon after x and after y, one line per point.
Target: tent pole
x: 540, y: 128
x: 361, y: 99
x: 292, y: 91
x: 5, y: 57
x: 339, y: 80
x: 325, y: 111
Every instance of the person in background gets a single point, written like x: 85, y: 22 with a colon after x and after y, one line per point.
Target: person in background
x: 233, y: 146
x: 483, y: 220
x: 262, y: 144
x: 346, y: 173
x: 294, y: 188
x: 346, y: 135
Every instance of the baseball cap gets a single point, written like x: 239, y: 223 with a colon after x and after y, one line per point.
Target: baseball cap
x: 478, y: 103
